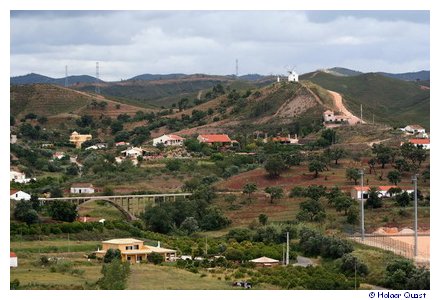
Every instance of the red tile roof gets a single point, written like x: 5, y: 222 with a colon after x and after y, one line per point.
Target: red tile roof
x: 281, y: 139
x: 419, y: 141
x: 12, y: 192
x: 215, y: 138
x: 175, y: 137
x: 380, y: 188
x: 13, y: 254
x: 81, y: 184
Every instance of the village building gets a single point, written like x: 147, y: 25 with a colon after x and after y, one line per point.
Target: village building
x: 133, y: 152
x: 134, y: 251
x: 265, y: 262
x: 421, y: 143
x: 78, y: 139
x: 358, y: 191
x: 58, y: 155
x: 19, y: 177
x: 119, y: 144
x: 169, y: 140
x: 82, y: 188
x: 97, y: 146
x: 282, y: 140
x: 13, y: 260
x: 414, y: 129
x: 19, y: 195
x: 222, y: 139
x: 330, y: 116
x: 292, y: 77
x: 13, y: 138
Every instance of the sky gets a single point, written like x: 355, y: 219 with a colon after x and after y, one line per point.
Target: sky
x: 129, y: 43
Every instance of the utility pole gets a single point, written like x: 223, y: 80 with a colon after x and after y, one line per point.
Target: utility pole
x: 287, y: 250
x: 415, y: 214
x: 355, y: 271
x: 362, y: 120
x: 361, y: 172
x: 66, y: 80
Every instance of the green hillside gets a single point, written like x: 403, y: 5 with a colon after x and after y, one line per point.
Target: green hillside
x: 392, y: 101
x: 45, y: 100
x: 165, y: 92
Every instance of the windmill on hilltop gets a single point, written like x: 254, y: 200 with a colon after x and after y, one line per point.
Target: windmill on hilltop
x: 292, y: 76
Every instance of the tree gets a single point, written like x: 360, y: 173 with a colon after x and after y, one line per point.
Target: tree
x: 383, y: 154
x: 190, y: 225
x: 311, y: 210
x: 249, y: 188
x: 315, y: 191
x: 403, y: 199
x: 103, y: 105
x: 72, y: 170
x: 115, y: 275
x: 372, y: 164
x: 158, y: 219
x: 63, y: 211
x: 108, y: 191
x: 373, y: 199
x: 112, y: 254
x: 155, y: 258
x: 262, y: 218
x: 351, y: 265
x: 402, y: 274
x: 352, y: 215
x: 173, y: 165
x: 24, y: 212
x: 335, y: 154
x: 402, y: 165
x: 35, y: 203
x: 116, y: 126
x: 343, y: 203
x: 230, y: 199
x: 275, y: 192
x: 274, y: 166
x: 56, y: 192
x: 316, y: 166
x: 394, y: 177
x: 353, y: 174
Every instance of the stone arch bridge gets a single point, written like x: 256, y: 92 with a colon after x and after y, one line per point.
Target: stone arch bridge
x: 129, y: 205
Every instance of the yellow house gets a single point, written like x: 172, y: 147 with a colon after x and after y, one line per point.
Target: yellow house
x: 134, y: 251
x: 78, y: 139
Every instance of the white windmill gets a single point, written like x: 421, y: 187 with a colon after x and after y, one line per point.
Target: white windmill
x: 292, y: 75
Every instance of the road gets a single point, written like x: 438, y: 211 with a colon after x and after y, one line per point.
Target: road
x: 337, y: 100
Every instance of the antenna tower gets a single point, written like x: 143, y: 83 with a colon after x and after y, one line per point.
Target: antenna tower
x: 236, y: 68
x: 97, y: 91
x: 66, y: 80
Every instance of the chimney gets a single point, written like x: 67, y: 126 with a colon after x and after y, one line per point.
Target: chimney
x: 158, y: 244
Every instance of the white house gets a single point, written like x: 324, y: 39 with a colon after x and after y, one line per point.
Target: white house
x: 14, y: 260
x: 19, y: 195
x: 58, y: 155
x: 97, y: 146
x: 169, y: 140
x: 330, y: 116
x: 421, y: 143
x: 382, y: 190
x: 82, y: 188
x: 133, y: 152
x: 414, y: 129
x: 19, y: 177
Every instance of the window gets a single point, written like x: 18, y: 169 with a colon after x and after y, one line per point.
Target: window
x: 136, y: 247
x: 128, y: 257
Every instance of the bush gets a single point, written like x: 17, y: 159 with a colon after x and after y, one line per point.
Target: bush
x: 112, y: 254
x: 63, y: 211
x: 155, y: 258
x: 351, y: 264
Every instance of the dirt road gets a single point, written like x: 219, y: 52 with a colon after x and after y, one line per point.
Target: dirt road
x: 337, y: 100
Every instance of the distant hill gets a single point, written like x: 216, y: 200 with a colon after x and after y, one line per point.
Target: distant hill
x: 392, y: 101
x: 337, y: 71
x: 34, y: 78
x: 165, y: 92
x: 149, y: 77
x: 410, y: 76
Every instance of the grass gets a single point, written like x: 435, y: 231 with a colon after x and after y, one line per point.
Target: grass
x: 97, y: 209
x: 53, y: 246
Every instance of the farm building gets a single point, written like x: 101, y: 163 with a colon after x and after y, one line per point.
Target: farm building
x: 210, y: 139
x: 13, y: 260
x: 414, y: 129
x: 19, y: 195
x: 282, y: 140
x: 169, y: 140
x: 78, y: 139
x: 82, y: 188
x: 134, y: 251
x: 357, y: 191
x: 133, y: 152
x: 421, y: 143
x: 330, y: 116
x: 19, y: 177
x: 265, y: 262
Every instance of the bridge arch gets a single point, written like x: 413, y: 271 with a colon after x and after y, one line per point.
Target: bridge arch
x: 129, y: 216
